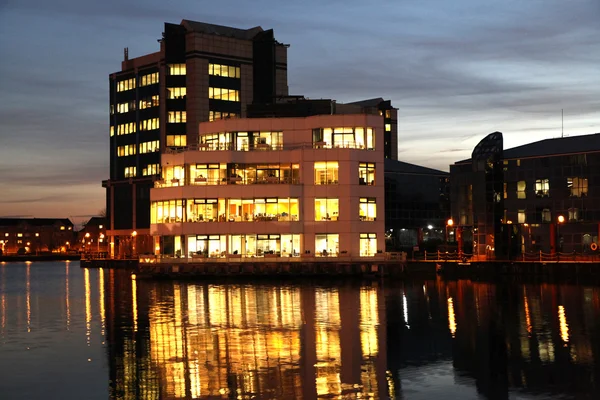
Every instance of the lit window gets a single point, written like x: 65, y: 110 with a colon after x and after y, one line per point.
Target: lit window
x: 176, y: 140
x: 227, y: 71
x: 126, y: 107
x: 366, y: 173
x: 388, y: 127
x: 327, y: 209
x: 223, y: 94
x: 368, y: 244
x: 326, y: 172
x: 149, y: 124
x: 546, y: 215
x: 327, y: 244
x: 177, y: 69
x: 573, y: 214
x: 100, y: 226
x: 215, y: 115
x: 6, y: 234
x: 148, y: 102
x: 505, y: 192
x: 578, y: 186
x: 127, y: 150
x: 542, y: 187
x: 177, y: 116
x: 21, y: 235
x: 518, y: 163
x: 149, y: 79
x: 149, y: 147
x: 521, y: 186
x: 62, y: 228
x: 126, y: 129
x: 37, y: 234
x: 344, y: 137
x: 130, y: 172
x: 388, y: 113
x: 150, y: 169
x: 125, y: 85
x: 112, y: 131
x: 176, y: 93
x: 367, y: 209
x: 521, y: 217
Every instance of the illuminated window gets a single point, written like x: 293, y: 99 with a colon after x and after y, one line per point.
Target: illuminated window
x: 176, y: 69
x: 149, y: 124
x: 366, y: 173
x: 327, y: 209
x: 149, y: 147
x: 176, y: 93
x: 37, y: 234
x: 125, y: 85
x: 149, y: 79
x: 368, y: 244
x: 518, y: 163
x: 546, y: 215
x: 348, y: 137
x: 542, y: 187
x: 268, y: 140
x: 388, y: 127
x: 223, y: 94
x: 112, y: 131
x: 167, y: 211
x: 367, y: 209
x: 521, y: 219
x: 151, y: 169
x: 388, y: 113
x: 573, y: 214
x: 215, y: 115
x: 521, y: 186
x: 126, y: 128
x: 177, y: 116
x: 227, y: 71
x: 176, y: 140
x: 326, y: 172
x: 21, y: 235
x: 6, y: 234
x: 578, y: 186
x: 127, y: 150
x: 129, y: 172
x: 126, y: 107
x: 327, y: 244
x: 208, y: 174
x: 505, y: 191
x: 148, y: 102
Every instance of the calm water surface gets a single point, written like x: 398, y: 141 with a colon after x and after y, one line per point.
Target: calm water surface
x: 72, y: 333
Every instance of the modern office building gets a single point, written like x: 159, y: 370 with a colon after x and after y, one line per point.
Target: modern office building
x: 417, y: 206
x: 274, y: 187
x: 202, y: 72
x: 543, y: 196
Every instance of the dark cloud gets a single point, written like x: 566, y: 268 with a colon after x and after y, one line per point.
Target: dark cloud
x: 456, y: 71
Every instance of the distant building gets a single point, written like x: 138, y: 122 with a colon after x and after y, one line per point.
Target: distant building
x: 31, y: 235
x: 92, y: 236
x: 417, y: 206
x: 274, y: 187
x: 543, y: 196
x: 202, y: 72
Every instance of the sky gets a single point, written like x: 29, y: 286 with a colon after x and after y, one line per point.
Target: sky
x: 456, y: 70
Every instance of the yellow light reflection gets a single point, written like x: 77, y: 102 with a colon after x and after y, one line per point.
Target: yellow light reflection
x: 101, y: 292
x: 67, y: 305
x: 369, y: 321
x: 527, y: 315
x: 28, y: 295
x: 451, y: 317
x: 564, y: 327
x: 88, y: 306
x: 134, y: 302
x: 3, y: 300
x: 405, y: 307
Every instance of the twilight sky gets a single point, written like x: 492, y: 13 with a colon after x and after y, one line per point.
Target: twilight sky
x: 456, y: 70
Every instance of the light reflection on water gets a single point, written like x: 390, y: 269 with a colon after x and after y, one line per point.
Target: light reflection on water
x: 98, y: 333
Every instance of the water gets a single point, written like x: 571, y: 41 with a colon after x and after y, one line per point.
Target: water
x: 72, y: 333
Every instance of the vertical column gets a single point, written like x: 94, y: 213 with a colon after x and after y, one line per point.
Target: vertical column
x: 308, y: 339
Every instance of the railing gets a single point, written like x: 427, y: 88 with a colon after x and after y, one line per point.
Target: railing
x: 538, y: 256
x: 219, y: 146
x: 270, y: 257
x: 200, y: 181
x: 230, y: 218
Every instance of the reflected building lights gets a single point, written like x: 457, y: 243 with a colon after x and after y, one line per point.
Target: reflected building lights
x: 405, y: 308
x: 28, y: 294
x: 88, y: 306
x: 564, y: 327
x: 527, y: 315
x: 134, y: 302
x: 3, y: 299
x: 451, y: 317
x: 67, y: 305
x: 101, y: 301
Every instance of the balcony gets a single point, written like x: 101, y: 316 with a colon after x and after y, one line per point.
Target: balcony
x: 235, y: 180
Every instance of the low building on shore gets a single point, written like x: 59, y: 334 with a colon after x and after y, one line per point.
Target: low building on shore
x: 540, y: 197
x: 34, y: 235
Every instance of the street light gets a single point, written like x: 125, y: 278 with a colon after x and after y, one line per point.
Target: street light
x: 560, y: 220
x: 133, y: 235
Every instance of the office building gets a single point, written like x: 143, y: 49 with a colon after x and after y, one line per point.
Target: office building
x: 33, y: 235
x: 274, y: 187
x: 539, y: 197
x: 202, y: 72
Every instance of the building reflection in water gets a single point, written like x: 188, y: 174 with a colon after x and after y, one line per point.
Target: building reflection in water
x: 174, y: 340
x: 227, y: 340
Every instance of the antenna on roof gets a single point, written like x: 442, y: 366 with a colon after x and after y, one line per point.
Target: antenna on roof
x: 126, y: 53
x: 562, y: 122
